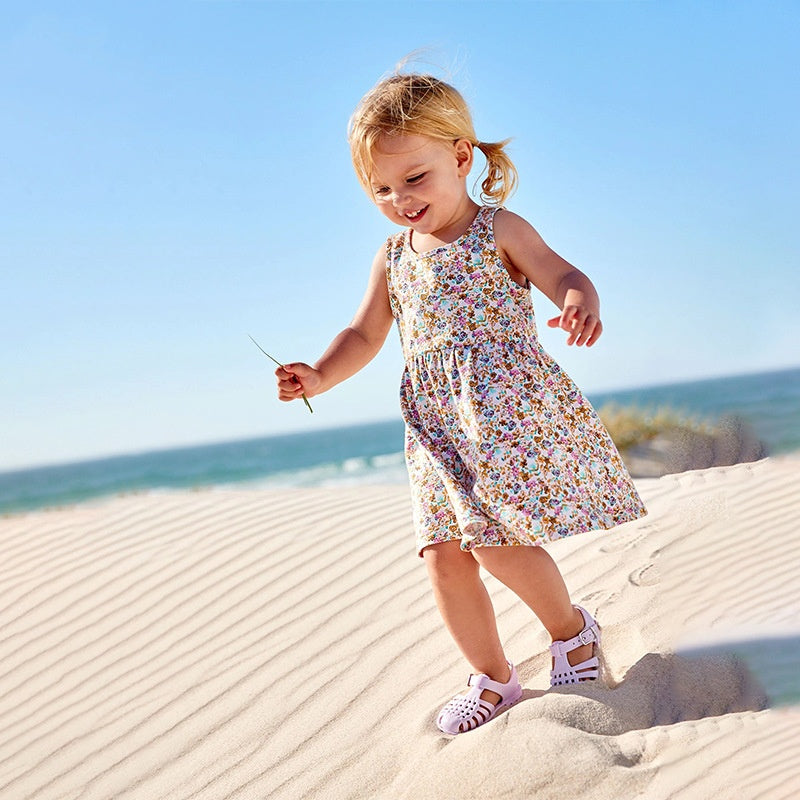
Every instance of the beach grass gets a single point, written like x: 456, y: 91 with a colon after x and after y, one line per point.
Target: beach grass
x: 662, y: 440
x: 633, y: 425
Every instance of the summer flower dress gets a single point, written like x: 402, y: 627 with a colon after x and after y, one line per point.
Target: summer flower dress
x: 501, y: 446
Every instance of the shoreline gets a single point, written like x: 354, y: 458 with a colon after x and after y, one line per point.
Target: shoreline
x: 399, y: 479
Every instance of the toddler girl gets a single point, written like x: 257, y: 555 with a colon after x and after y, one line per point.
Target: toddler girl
x: 504, y: 453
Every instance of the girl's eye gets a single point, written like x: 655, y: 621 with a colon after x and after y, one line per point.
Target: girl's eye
x: 381, y: 190
x: 416, y: 178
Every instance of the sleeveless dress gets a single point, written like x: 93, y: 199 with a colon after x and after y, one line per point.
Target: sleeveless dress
x: 501, y: 446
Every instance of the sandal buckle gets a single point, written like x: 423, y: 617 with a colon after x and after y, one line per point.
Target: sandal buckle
x: 586, y: 636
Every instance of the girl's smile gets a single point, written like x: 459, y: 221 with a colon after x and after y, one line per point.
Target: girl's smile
x: 421, y: 182
x: 416, y: 216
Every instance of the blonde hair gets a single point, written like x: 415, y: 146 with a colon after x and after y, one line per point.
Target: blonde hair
x: 424, y: 105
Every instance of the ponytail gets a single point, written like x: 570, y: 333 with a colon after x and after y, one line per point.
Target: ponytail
x: 501, y: 174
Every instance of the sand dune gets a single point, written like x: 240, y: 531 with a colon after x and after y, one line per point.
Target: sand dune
x: 257, y: 644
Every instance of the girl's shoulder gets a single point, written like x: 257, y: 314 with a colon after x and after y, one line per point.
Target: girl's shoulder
x: 511, y: 231
x: 507, y: 223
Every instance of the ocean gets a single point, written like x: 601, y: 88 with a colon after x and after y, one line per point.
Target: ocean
x: 373, y: 453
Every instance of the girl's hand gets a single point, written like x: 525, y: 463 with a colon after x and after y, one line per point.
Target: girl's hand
x: 583, y: 326
x: 296, y: 380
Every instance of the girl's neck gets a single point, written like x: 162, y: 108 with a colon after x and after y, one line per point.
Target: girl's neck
x: 454, y: 229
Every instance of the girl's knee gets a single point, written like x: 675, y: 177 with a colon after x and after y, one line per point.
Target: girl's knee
x: 447, y: 561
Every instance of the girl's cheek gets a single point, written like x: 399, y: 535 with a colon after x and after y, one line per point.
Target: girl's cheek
x: 385, y: 207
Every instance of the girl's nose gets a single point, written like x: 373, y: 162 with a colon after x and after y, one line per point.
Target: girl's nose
x: 399, y: 198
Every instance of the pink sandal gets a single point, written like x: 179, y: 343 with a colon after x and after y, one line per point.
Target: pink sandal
x: 563, y: 672
x: 467, y: 711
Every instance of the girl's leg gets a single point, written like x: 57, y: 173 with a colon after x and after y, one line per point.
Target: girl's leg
x: 467, y: 610
x: 533, y: 576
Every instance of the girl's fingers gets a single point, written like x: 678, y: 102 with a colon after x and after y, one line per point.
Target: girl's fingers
x: 290, y: 394
x: 565, y: 320
x: 289, y: 385
x: 585, y: 334
x: 598, y: 329
x: 575, y: 326
x: 591, y: 332
x: 293, y: 385
x: 583, y: 328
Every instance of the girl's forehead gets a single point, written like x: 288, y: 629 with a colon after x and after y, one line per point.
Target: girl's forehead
x: 396, y: 146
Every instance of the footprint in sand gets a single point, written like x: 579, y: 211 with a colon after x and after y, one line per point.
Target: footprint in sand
x: 648, y: 575
x: 625, y: 541
x: 599, y: 598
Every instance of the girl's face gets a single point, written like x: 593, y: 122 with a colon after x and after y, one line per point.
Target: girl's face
x: 421, y: 182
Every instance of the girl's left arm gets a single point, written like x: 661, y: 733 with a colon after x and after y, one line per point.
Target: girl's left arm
x: 526, y: 255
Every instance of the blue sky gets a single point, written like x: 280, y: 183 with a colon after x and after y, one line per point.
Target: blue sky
x: 176, y: 176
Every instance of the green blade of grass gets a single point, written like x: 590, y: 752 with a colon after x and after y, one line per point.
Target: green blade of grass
x: 272, y: 358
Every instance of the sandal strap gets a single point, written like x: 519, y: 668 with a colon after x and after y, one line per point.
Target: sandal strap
x: 587, y: 665
x: 586, y: 636
x: 465, y: 705
x: 481, y: 682
x: 569, y: 674
x: 590, y: 633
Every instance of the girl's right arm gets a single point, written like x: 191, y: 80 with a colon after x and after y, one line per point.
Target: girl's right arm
x: 351, y: 350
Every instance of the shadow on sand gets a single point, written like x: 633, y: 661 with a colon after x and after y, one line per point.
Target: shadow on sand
x: 666, y: 688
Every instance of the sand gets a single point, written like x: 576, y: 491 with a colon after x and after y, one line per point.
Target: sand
x: 256, y: 644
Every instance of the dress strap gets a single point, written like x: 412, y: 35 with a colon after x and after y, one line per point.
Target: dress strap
x: 487, y: 214
x: 483, y: 224
x: 394, y: 250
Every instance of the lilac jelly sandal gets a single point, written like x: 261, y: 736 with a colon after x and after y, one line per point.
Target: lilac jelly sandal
x: 467, y: 711
x: 563, y: 672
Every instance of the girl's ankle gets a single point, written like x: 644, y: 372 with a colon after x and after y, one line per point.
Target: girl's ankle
x: 572, y: 628
x: 501, y: 675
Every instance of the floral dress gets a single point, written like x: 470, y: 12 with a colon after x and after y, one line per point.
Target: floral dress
x: 501, y: 446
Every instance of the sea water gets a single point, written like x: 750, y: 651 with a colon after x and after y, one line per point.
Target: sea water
x: 373, y: 453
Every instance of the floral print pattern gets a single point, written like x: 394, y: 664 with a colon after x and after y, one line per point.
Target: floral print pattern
x: 501, y: 446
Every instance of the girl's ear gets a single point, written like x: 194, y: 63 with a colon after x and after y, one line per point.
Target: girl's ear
x: 464, y: 156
